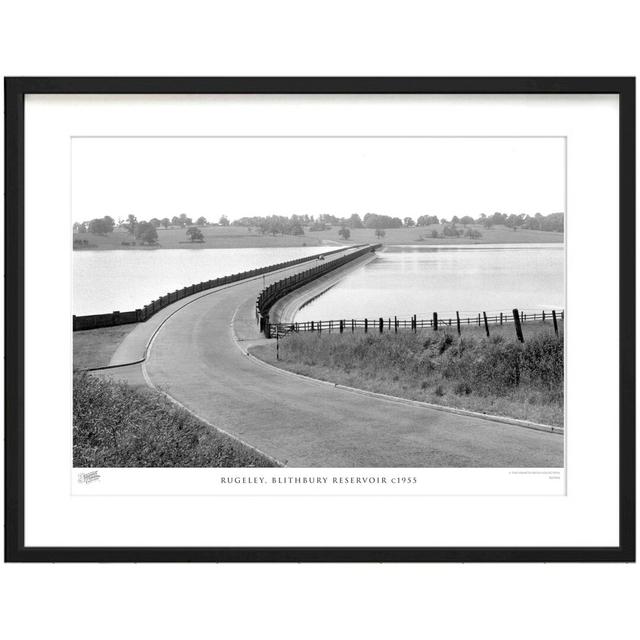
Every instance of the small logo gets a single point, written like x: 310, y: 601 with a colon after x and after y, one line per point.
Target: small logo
x: 88, y: 477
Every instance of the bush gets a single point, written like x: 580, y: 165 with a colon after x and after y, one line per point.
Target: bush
x: 434, y: 364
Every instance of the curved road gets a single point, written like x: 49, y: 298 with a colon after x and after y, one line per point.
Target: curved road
x: 195, y: 358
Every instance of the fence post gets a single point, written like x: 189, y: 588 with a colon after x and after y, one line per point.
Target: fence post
x: 366, y: 325
x: 353, y: 325
x: 435, y: 321
x: 381, y: 324
x: 319, y: 326
x: 501, y: 318
x: 341, y: 326
x: 415, y: 323
x: 543, y: 316
x: 478, y: 319
x: 555, y: 322
x: 458, y: 321
x: 395, y: 323
x: 486, y: 323
x: 516, y: 321
x: 313, y: 328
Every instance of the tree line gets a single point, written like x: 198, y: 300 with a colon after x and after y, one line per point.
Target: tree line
x: 296, y: 223
x: 146, y: 231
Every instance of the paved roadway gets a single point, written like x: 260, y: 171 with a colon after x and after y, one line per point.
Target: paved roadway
x: 195, y: 357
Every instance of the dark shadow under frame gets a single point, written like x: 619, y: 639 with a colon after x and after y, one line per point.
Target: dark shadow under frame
x: 15, y: 91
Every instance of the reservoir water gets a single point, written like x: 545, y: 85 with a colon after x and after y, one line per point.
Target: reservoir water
x: 407, y: 280
x: 123, y: 280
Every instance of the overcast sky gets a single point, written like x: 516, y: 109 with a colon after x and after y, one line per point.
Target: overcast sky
x: 158, y: 177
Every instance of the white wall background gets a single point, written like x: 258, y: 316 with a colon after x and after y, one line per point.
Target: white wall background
x: 329, y: 38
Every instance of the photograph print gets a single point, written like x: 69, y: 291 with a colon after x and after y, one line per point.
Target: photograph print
x: 318, y: 302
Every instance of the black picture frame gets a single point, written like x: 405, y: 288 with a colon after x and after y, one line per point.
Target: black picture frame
x: 15, y: 91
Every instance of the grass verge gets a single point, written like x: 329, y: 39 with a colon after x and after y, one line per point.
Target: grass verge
x: 115, y: 425
x: 495, y: 375
x: 95, y: 347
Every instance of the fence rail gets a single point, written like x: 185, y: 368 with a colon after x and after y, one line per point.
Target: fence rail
x: 381, y: 325
x: 97, y: 321
x: 274, y: 292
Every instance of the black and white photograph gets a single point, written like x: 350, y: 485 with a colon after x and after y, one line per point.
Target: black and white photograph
x: 359, y: 311
x: 318, y: 301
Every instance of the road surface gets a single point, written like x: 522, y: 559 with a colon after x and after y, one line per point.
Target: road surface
x: 196, y: 357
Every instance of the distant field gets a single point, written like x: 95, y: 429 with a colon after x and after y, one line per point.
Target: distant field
x: 241, y: 238
x: 422, y: 235
x: 215, y: 238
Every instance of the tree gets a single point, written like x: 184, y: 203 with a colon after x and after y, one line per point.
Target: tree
x: 455, y: 220
x: 155, y: 222
x: 201, y: 221
x: 425, y: 221
x: 466, y: 220
x: 408, y: 222
x: 345, y: 233
x: 131, y: 223
x: 513, y: 221
x: 165, y: 222
x: 377, y: 221
x: 380, y: 233
x: 355, y: 221
x: 195, y: 234
x: 146, y: 233
x: 224, y: 221
x: 101, y: 226
x: 79, y: 227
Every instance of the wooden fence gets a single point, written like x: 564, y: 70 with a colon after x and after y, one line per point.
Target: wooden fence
x: 435, y: 322
x: 115, y: 318
x: 269, y: 296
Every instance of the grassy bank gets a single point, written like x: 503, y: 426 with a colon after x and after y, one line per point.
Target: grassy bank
x: 95, y: 347
x: 115, y: 425
x: 215, y: 238
x: 495, y: 375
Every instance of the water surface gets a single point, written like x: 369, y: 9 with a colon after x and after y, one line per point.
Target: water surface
x: 407, y: 280
x: 105, y: 281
